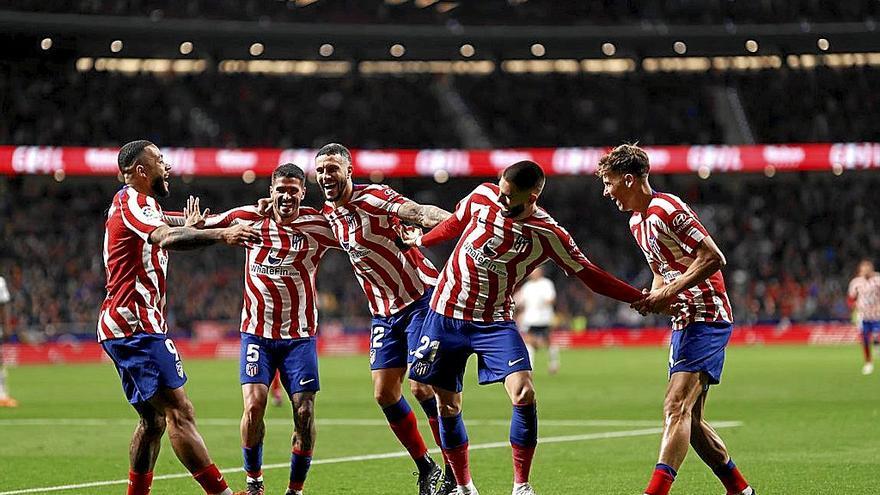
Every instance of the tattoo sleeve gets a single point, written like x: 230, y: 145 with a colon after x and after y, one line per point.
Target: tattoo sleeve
x: 425, y: 215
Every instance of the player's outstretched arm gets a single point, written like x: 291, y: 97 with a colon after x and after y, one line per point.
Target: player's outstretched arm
x: 427, y: 216
x: 448, y: 229
x: 709, y: 259
x: 186, y: 238
x: 602, y: 282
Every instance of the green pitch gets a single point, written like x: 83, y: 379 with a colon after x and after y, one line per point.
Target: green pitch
x: 798, y: 420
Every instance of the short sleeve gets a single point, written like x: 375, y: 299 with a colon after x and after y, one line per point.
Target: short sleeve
x: 385, y: 198
x: 230, y: 217
x: 463, y: 210
x: 140, y: 213
x: 563, y: 250
x: 686, y: 229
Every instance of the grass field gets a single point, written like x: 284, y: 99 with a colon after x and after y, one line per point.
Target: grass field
x: 809, y: 425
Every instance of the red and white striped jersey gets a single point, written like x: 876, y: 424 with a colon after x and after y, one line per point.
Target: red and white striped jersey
x: 668, y: 234
x: 280, y: 296
x: 866, y: 292
x: 391, y: 274
x: 135, y: 268
x: 494, y: 254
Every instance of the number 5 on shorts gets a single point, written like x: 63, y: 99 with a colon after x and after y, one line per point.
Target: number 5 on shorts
x: 253, y: 353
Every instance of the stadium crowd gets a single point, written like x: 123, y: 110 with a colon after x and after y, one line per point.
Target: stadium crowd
x: 55, y: 105
x: 510, y: 12
x: 791, y: 267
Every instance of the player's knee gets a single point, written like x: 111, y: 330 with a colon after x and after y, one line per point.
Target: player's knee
x: 449, y: 409
x: 254, y: 411
x: 523, y: 394
x: 153, y: 425
x: 181, y: 416
x: 676, y: 410
x: 386, y: 395
x: 304, y: 411
x: 420, y: 391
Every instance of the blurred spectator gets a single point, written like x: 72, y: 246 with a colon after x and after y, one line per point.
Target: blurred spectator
x: 51, y: 104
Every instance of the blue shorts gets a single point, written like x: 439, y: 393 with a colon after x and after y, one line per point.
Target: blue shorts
x: 146, y: 362
x: 869, y: 327
x: 296, y: 359
x: 393, y: 336
x: 700, y: 347
x: 445, y: 344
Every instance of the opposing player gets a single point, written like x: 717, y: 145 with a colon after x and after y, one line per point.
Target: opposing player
x: 686, y: 264
x: 864, y: 297
x: 398, y: 282
x: 534, y: 304
x: 5, y: 330
x: 132, y: 327
x: 504, y: 235
x: 279, y: 319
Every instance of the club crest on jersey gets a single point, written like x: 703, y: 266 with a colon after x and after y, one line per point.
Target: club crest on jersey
x: 353, y: 220
x: 654, y: 245
x: 521, y: 243
x: 251, y: 369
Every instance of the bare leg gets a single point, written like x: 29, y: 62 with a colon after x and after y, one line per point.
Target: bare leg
x: 681, y: 395
x: 147, y: 438
x: 387, y: 385
x: 253, y: 428
x: 304, y: 431
x: 185, y: 439
x: 704, y: 439
x: 303, y: 439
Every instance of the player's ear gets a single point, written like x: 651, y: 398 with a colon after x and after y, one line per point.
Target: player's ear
x: 629, y: 180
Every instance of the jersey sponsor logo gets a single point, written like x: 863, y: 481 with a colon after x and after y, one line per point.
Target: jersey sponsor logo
x: 272, y: 271
x: 353, y: 252
x: 251, y: 369
x: 491, y: 246
x: 681, y: 222
x: 484, y: 260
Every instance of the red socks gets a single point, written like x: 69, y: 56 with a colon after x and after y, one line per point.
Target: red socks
x: 407, y: 431
x: 211, y: 480
x: 661, y: 480
x: 731, y: 478
x: 458, y: 460
x: 522, y: 463
x: 139, y: 484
